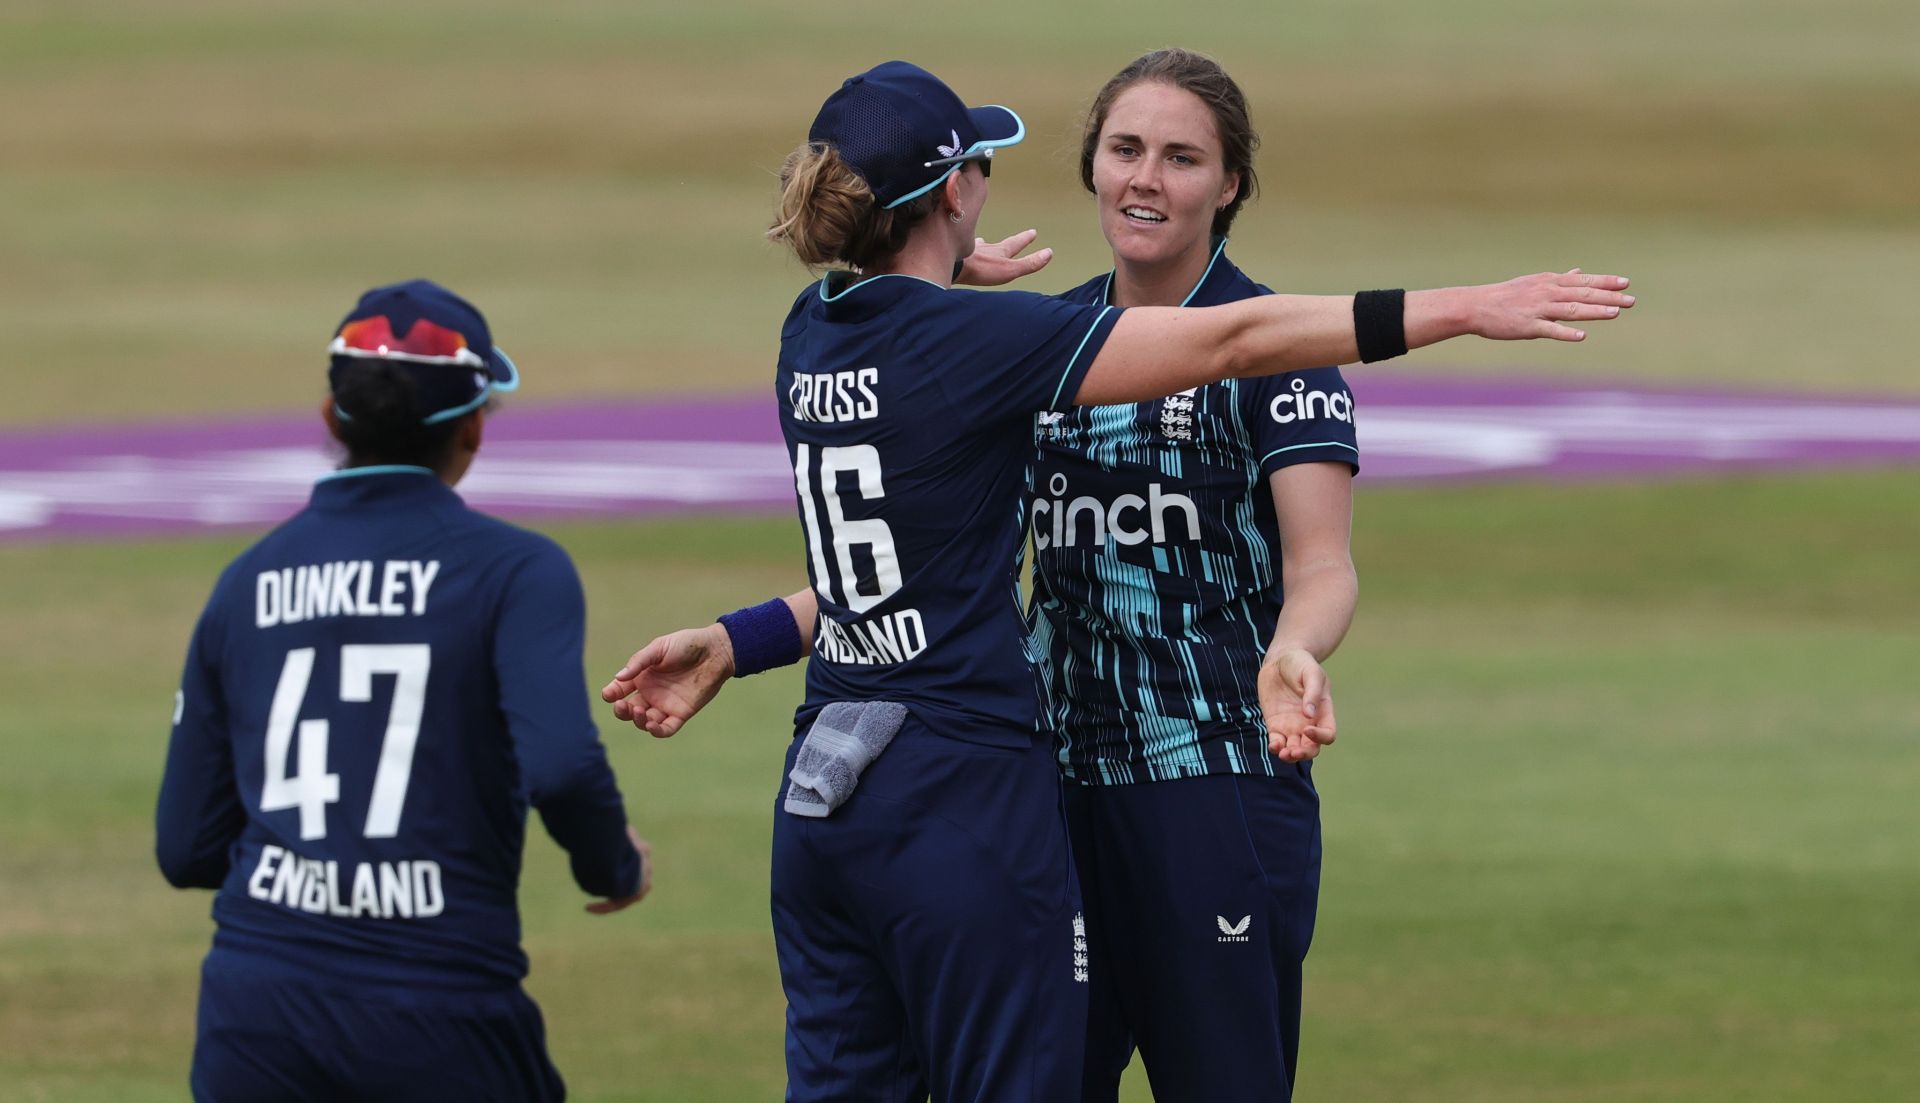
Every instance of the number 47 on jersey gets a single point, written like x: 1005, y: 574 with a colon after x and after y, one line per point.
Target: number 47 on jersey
x: 312, y: 788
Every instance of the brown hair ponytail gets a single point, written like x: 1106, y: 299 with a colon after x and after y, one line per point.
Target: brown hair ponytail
x: 827, y: 215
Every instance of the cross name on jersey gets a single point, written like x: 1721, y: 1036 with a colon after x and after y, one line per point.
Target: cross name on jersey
x: 832, y: 397
x: 291, y: 595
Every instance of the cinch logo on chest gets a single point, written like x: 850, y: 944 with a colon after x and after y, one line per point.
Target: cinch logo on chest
x: 1059, y: 523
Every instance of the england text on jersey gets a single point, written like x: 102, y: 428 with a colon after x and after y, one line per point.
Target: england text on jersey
x: 893, y: 638
x: 374, y: 890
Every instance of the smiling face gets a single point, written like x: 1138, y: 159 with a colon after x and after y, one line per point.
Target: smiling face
x: 1158, y: 175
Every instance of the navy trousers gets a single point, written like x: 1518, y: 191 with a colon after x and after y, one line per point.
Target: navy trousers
x: 1200, y: 898
x: 270, y: 1034
x: 929, y: 932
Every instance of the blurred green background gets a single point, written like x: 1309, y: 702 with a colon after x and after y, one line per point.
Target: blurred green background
x: 1624, y: 806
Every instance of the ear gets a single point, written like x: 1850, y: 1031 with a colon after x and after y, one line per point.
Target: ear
x: 1228, y: 192
x: 331, y: 415
x: 950, y: 192
x: 472, y: 429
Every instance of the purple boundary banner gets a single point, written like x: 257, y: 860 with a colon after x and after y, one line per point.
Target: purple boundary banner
x: 633, y: 457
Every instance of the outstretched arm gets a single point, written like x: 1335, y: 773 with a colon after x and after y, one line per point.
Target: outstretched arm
x: 671, y: 679
x: 1157, y: 350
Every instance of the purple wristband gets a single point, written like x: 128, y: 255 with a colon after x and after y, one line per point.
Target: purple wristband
x: 764, y: 636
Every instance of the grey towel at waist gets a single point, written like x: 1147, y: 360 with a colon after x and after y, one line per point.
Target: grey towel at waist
x: 844, y: 740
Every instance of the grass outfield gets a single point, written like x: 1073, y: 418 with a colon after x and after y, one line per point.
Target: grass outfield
x: 194, y: 191
x: 1623, y: 809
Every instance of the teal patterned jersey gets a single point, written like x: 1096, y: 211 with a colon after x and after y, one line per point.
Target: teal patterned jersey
x: 1157, y: 559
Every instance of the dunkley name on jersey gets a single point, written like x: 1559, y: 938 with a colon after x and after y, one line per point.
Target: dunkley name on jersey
x: 349, y: 588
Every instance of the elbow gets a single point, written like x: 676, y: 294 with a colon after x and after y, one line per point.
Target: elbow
x: 1245, y: 354
x: 1238, y: 356
x: 551, y: 788
x: 179, y: 866
x: 194, y: 859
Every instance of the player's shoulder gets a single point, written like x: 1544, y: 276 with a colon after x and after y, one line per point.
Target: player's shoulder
x: 956, y: 325
x: 804, y: 303
x: 274, y: 549
x: 996, y: 300
x: 236, y: 576
x: 1229, y: 283
x: 487, y: 536
x: 1091, y: 293
x: 1017, y: 308
x: 1236, y: 285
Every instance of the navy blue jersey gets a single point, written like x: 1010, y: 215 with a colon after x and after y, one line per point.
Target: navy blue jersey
x: 908, y: 412
x: 374, y: 695
x: 1157, y: 582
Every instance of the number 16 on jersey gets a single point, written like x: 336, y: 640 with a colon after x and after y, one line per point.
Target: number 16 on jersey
x: 895, y: 637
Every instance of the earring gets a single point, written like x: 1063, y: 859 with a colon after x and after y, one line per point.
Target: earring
x: 957, y: 217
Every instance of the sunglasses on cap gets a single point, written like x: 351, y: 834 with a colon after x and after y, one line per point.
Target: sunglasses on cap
x: 983, y: 156
x: 425, y: 342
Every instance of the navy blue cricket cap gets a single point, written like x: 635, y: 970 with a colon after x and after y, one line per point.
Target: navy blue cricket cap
x: 440, y: 340
x: 904, y: 131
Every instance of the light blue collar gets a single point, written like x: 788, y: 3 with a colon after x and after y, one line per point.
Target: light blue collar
x: 1106, y: 291
x: 377, y: 469
x: 836, y: 296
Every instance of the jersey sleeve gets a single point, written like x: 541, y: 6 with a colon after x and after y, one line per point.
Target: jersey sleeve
x: 1015, y: 354
x: 199, y: 816
x: 538, y: 643
x: 1300, y: 417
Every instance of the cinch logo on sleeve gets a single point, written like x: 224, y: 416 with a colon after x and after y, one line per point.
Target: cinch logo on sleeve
x: 1305, y: 405
x: 1128, y: 519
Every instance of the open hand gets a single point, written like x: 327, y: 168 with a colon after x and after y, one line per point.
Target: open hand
x: 1297, y: 704
x: 671, y: 679
x: 1540, y: 305
x: 993, y: 263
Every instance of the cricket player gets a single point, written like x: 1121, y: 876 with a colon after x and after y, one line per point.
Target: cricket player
x: 1162, y: 637
x: 926, y: 910
x: 376, y: 693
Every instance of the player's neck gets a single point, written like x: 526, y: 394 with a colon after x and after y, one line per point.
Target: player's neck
x: 1163, y: 283
x: 926, y: 256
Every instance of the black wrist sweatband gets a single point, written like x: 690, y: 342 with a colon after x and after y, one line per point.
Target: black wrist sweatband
x: 1380, y: 324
